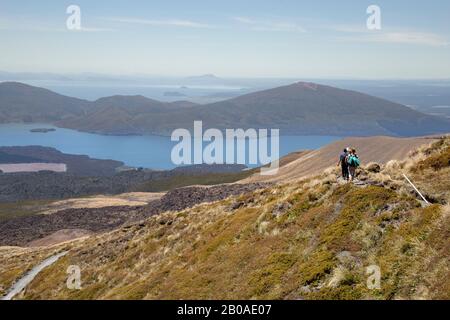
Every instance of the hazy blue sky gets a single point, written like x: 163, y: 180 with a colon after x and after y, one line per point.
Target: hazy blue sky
x: 247, y: 38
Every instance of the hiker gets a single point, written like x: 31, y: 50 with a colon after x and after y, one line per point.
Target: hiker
x: 353, y: 163
x: 343, y: 163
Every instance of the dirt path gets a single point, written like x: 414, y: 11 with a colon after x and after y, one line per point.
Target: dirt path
x: 370, y: 149
x: 29, y: 276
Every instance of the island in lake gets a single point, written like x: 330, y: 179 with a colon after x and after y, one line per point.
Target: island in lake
x: 43, y: 130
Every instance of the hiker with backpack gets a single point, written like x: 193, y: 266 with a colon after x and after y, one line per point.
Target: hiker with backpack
x: 343, y: 163
x: 353, y: 163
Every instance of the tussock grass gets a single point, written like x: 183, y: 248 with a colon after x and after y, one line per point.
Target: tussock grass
x: 311, y: 239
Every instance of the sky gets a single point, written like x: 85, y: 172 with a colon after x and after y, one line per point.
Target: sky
x: 232, y: 38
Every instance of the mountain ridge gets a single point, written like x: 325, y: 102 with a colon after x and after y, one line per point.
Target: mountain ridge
x: 376, y: 149
x: 302, y: 108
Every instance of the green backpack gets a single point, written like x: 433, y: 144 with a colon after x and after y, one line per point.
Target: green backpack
x: 354, y: 161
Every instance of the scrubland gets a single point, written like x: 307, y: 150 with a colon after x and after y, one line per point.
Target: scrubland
x: 309, y: 239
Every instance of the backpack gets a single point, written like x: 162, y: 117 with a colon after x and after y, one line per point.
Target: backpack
x: 353, y: 161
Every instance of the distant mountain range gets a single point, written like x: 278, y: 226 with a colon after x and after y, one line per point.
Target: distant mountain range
x: 302, y: 108
x: 205, y: 79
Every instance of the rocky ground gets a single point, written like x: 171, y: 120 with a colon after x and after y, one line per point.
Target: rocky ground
x: 45, y: 185
x: 23, y: 230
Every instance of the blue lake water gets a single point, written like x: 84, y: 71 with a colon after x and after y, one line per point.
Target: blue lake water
x: 138, y: 151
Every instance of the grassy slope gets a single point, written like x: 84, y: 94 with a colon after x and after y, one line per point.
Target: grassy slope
x: 378, y: 149
x: 10, y: 210
x: 309, y: 239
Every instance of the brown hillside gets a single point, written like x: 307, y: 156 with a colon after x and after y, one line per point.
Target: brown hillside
x: 309, y: 239
x: 370, y: 149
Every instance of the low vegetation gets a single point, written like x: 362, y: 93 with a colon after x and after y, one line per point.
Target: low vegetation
x: 44, y: 185
x: 183, y: 180
x: 312, y: 239
x: 10, y: 210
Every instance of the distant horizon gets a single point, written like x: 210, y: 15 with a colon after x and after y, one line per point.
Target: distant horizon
x: 218, y: 76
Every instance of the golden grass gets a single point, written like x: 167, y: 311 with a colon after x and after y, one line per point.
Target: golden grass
x: 310, y: 239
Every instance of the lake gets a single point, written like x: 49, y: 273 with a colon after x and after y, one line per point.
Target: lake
x: 137, y: 151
